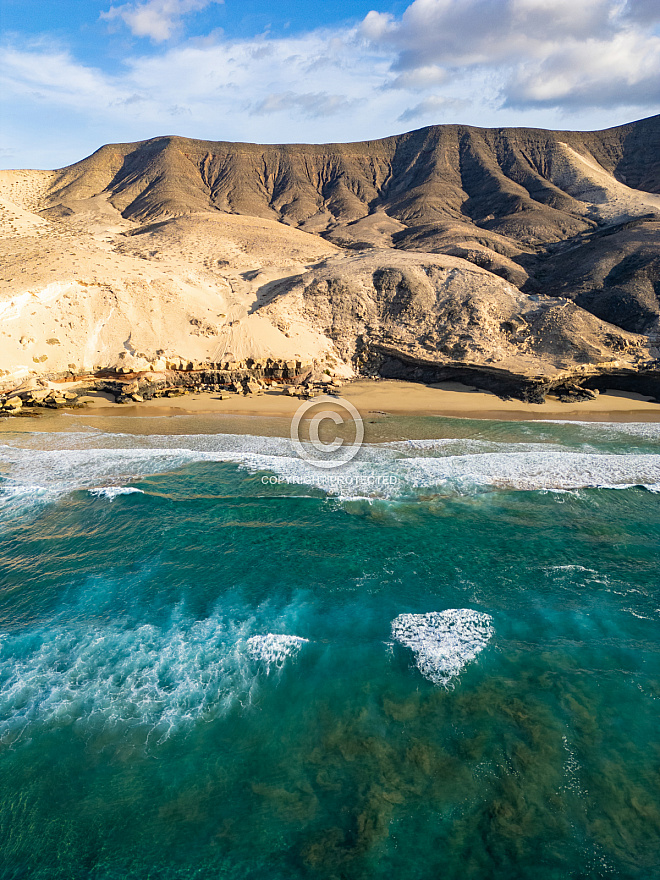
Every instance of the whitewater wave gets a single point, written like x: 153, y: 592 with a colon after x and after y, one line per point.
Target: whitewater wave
x: 273, y: 649
x: 161, y: 678
x: 112, y: 492
x: 542, y: 469
x: 104, y: 463
x: 443, y: 642
x: 12, y: 494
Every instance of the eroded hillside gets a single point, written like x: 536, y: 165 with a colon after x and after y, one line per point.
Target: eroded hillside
x: 511, y: 252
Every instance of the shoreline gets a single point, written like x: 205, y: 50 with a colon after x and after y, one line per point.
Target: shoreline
x: 397, y: 398
x: 390, y: 410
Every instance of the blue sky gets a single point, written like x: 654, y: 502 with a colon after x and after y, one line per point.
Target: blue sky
x: 80, y: 73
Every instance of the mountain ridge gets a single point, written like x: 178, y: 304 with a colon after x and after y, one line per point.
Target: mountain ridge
x: 611, y: 147
x: 544, y: 218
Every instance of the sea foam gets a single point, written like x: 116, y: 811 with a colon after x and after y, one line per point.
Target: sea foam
x: 158, y: 678
x: 443, y: 642
x: 536, y: 470
x: 112, y: 492
x: 273, y: 649
x: 63, y: 462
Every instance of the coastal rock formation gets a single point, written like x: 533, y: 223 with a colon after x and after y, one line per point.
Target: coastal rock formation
x: 385, y: 310
x: 526, y: 259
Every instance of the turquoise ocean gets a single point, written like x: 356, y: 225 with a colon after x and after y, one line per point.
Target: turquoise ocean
x: 214, y: 664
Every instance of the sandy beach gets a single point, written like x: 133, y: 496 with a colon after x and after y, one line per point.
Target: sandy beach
x: 390, y: 410
x: 384, y: 397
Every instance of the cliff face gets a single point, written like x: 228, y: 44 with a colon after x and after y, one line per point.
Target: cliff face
x: 534, y: 223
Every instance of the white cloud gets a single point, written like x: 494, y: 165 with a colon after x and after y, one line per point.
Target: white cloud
x: 311, y: 104
x: 622, y: 71
x: 49, y: 75
x: 472, y: 32
x: 554, y: 53
x: 478, y: 62
x: 420, y: 78
x: 379, y: 25
x: 157, y: 19
x: 264, y: 90
x: 434, y: 108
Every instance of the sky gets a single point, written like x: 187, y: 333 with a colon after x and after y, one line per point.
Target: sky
x: 76, y: 74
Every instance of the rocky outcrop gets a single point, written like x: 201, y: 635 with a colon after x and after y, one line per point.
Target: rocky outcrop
x: 430, y: 318
x: 249, y: 377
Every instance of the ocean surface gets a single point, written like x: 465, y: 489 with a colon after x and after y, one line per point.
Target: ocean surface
x: 216, y: 662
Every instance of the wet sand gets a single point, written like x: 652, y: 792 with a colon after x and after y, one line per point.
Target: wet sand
x: 390, y: 411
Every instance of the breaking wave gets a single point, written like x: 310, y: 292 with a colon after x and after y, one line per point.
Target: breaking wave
x: 159, y: 678
x: 45, y: 466
x: 443, y: 642
x: 542, y: 469
x: 273, y: 649
x: 112, y: 492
